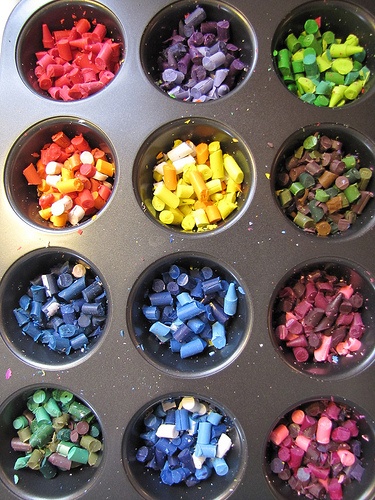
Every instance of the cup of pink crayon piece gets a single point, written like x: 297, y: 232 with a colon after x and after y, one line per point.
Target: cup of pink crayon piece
x: 320, y: 318
x: 321, y: 448
x: 76, y: 50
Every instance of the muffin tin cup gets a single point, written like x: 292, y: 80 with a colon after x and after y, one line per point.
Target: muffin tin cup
x: 161, y: 27
x: 259, y: 122
x: 60, y: 16
x: 148, y: 483
x: 339, y: 16
x: 356, y: 489
x: 15, y: 283
x: 196, y: 129
x: 22, y: 196
x: 211, y: 360
x: 362, y: 282
x: 27, y: 483
x: 354, y: 143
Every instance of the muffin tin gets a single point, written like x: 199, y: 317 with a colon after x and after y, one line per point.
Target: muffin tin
x: 120, y: 377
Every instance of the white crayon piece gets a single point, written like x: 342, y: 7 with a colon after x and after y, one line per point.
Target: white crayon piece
x: 167, y: 431
x: 180, y: 151
x: 223, y: 445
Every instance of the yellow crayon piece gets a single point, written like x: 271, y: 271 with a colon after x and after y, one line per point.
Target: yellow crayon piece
x: 354, y: 90
x: 66, y: 174
x: 233, y: 187
x: 45, y: 213
x: 343, y: 65
x: 205, y: 171
x: 344, y: 50
x: 306, y: 85
x: 105, y: 167
x: 70, y: 185
x: 233, y: 169
x: 214, y: 186
x: 226, y: 208
x: 213, y: 146
x: 59, y: 220
x: 185, y: 209
x: 184, y: 190
x: 200, y: 217
x: 171, y: 216
x: 169, y: 198
x: 157, y: 203
x: 337, y: 95
x: 188, y: 223
x: 217, y: 164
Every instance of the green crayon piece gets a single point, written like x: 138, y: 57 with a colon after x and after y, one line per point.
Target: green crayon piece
x: 338, y: 50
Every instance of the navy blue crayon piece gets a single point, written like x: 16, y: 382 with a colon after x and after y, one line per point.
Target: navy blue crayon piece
x: 161, y: 299
x: 73, y: 290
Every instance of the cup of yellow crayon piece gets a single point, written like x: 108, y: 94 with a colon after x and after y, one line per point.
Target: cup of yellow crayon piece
x: 194, y: 176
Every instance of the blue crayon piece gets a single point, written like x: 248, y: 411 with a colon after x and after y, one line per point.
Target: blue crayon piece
x: 190, y: 310
x: 220, y: 466
x: 73, y: 290
x: 152, y: 313
x: 218, y: 338
x: 204, y: 433
x: 231, y: 300
x: 192, y: 348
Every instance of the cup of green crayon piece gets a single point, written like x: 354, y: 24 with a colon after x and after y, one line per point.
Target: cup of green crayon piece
x: 323, y: 53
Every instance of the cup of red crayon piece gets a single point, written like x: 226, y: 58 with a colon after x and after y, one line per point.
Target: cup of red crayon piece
x: 229, y: 202
x: 60, y: 173
x: 322, y: 448
x: 70, y: 51
x: 168, y: 466
x: 321, y: 319
x: 54, y: 308
x: 198, y: 53
x: 40, y: 427
x: 189, y: 315
x: 323, y: 53
x: 323, y: 182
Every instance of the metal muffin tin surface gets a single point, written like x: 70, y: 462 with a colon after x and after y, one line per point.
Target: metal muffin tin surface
x: 260, y: 247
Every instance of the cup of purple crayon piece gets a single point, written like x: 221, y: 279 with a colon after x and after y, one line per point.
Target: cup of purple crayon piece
x: 189, y: 316
x: 56, y: 45
x: 321, y: 318
x: 198, y: 53
x: 315, y: 30
x: 213, y: 477
x: 25, y: 198
x: 321, y: 448
x: 54, y: 308
x: 196, y: 130
x: 322, y: 181
x: 55, y: 481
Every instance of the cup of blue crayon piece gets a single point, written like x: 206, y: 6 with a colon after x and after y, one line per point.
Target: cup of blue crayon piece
x: 197, y: 130
x: 162, y: 347
x: 360, y: 482
x: 337, y: 365
x: 67, y: 327
x: 59, y: 16
x: 160, y: 52
x: 28, y: 483
x: 304, y: 29
x: 147, y: 481
x: 307, y: 148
